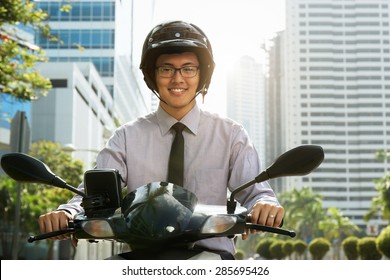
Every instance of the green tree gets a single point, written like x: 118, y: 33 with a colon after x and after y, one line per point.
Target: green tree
x: 276, y: 250
x: 382, y: 155
x: 288, y: 248
x: 249, y: 245
x: 380, y: 204
x: 300, y: 247
x: 239, y: 255
x: 37, y: 199
x: 318, y: 248
x: 335, y: 226
x: 367, y: 249
x: 18, y: 57
x: 350, y: 248
x: 59, y: 161
x: 383, y: 242
x: 263, y: 248
x: 305, y: 220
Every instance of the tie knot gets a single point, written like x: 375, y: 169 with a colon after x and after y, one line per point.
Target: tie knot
x: 178, y: 127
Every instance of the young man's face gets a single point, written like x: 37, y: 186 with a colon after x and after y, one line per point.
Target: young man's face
x: 177, y: 91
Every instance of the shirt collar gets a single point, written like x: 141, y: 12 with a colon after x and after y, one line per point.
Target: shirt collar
x: 191, y: 120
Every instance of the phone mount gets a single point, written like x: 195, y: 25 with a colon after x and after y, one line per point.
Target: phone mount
x: 103, y: 192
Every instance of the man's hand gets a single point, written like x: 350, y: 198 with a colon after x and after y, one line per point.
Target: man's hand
x: 265, y: 214
x: 56, y: 220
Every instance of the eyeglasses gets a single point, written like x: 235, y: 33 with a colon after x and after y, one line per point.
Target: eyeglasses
x: 185, y: 71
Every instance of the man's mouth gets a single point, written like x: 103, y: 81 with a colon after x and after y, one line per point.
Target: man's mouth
x: 177, y: 91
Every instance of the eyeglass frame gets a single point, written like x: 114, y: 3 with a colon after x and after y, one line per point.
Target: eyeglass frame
x: 177, y: 69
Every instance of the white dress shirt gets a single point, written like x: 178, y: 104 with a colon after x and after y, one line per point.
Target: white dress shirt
x: 219, y: 156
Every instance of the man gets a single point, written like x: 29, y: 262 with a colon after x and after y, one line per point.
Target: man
x: 177, y: 63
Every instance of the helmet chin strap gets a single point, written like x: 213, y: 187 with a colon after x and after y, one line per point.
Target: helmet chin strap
x: 158, y: 96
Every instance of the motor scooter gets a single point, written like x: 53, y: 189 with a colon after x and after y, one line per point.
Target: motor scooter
x: 159, y: 220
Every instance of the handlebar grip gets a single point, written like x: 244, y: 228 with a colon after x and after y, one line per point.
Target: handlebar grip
x: 49, y: 234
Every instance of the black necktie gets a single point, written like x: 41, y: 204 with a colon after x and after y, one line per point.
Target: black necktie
x: 176, y: 158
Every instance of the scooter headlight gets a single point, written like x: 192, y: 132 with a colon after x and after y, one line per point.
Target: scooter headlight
x: 218, y: 224
x: 98, y: 228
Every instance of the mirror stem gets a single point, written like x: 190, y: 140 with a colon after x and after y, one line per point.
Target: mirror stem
x: 231, y: 204
x: 58, y: 182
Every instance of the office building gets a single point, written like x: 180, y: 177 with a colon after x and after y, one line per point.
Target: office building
x: 245, y: 100
x: 334, y: 74
x: 101, y: 32
x: 77, y: 112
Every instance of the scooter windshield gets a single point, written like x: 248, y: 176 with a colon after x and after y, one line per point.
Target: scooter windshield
x: 158, y: 211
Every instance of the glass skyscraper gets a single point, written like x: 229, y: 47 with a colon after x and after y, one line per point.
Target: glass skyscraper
x: 99, y: 32
x: 332, y: 64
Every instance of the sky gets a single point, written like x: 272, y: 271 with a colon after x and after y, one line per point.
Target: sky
x: 234, y: 28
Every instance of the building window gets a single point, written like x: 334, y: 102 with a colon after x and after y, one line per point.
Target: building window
x: 59, y: 83
x: 81, y: 11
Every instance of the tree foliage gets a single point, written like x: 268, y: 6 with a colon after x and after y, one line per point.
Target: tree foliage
x: 367, y: 249
x: 318, y: 248
x: 288, y: 248
x: 300, y: 247
x: 335, y: 227
x: 18, y: 57
x: 263, y: 248
x: 305, y: 220
x: 383, y: 242
x: 380, y: 204
x: 239, y: 255
x: 350, y: 249
x: 276, y: 250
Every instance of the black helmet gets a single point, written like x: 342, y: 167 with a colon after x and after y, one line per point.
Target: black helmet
x: 177, y: 37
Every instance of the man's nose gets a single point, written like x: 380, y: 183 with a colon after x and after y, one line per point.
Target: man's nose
x: 177, y: 75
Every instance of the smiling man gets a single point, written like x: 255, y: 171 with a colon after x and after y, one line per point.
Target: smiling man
x: 217, y: 154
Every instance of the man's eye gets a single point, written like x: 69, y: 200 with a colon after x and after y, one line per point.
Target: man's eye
x: 189, y: 69
x: 166, y: 69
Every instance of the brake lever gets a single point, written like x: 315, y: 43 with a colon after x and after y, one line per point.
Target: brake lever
x: 271, y: 229
x: 50, y: 234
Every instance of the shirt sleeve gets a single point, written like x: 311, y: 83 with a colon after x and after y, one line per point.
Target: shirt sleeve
x: 112, y: 156
x: 74, y: 205
x: 245, y: 166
